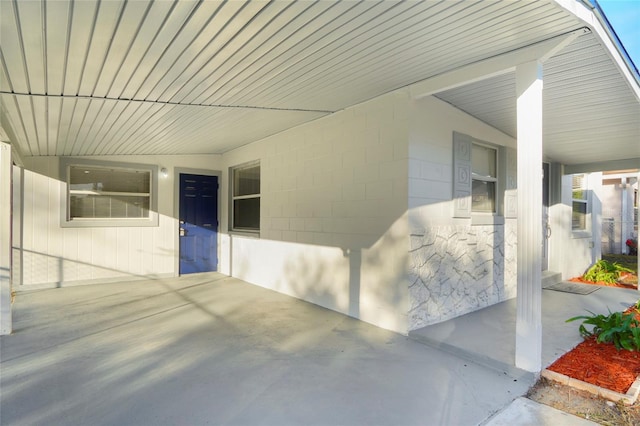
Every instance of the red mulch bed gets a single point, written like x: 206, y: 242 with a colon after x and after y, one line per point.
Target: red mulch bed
x: 600, y: 283
x: 601, y: 364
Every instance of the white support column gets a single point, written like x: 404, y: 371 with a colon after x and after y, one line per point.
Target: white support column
x: 5, y: 238
x: 529, y: 301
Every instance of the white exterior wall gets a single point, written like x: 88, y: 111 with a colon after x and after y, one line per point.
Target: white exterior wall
x: 333, y: 213
x: 48, y: 255
x: 572, y: 252
x: 457, y: 265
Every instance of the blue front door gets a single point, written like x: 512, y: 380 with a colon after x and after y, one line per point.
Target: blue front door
x: 198, y: 223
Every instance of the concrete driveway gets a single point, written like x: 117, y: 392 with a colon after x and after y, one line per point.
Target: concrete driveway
x: 208, y: 349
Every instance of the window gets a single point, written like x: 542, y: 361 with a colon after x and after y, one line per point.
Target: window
x: 484, y: 181
x: 245, y: 197
x: 483, y: 178
x: 579, y: 202
x: 103, y: 194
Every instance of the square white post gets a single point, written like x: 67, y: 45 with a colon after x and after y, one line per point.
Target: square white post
x: 529, y: 299
x: 5, y: 238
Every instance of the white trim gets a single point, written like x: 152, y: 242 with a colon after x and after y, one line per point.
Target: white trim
x: 494, y: 66
x: 6, y: 173
x: 490, y: 179
x: 232, y: 198
x: 604, y: 166
x: 66, y: 222
x: 588, y: 16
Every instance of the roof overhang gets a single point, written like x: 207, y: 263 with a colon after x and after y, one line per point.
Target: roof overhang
x: 123, y: 78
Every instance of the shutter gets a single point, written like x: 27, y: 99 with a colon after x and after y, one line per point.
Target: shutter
x: 461, y: 175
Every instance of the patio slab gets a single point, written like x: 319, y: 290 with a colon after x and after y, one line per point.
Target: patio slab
x: 487, y: 336
x: 208, y: 349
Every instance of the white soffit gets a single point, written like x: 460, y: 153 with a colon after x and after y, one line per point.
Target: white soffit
x: 590, y: 115
x: 160, y: 77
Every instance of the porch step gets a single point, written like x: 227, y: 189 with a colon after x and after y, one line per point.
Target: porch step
x: 550, y: 278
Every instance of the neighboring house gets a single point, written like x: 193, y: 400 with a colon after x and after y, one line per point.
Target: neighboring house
x: 619, y: 210
x: 362, y: 156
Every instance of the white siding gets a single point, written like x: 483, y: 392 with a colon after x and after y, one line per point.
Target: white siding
x: 55, y: 256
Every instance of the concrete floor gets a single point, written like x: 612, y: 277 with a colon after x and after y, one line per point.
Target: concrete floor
x: 496, y: 327
x: 208, y: 349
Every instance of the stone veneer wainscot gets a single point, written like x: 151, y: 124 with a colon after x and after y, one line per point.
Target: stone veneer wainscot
x: 459, y: 269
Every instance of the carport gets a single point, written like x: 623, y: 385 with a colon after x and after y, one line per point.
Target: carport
x: 142, y: 80
x: 210, y: 349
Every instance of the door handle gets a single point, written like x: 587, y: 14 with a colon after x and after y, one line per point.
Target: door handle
x: 548, y: 232
x: 183, y: 232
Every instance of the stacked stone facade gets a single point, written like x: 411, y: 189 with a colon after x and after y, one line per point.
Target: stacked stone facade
x: 458, y: 269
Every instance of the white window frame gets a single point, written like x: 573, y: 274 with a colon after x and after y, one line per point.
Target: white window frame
x: 232, y: 198
x: 65, y: 217
x: 463, y: 176
x: 583, y: 201
x: 480, y: 178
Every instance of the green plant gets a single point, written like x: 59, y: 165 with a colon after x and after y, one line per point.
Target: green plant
x: 604, y: 271
x: 621, y: 329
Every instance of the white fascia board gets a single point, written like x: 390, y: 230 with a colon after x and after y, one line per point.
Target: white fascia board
x: 493, y: 66
x: 585, y: 14
x: 629, y: 175
x: 603, y: 166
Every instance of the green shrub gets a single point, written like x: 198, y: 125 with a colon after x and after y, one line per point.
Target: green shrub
x: 603, y: 271
x: 618, y: 328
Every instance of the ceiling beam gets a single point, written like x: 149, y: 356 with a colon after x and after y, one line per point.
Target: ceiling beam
x: 493, y: 66
x: 603, y: 166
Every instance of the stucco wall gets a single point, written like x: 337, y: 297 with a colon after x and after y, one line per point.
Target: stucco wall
x: 48, y: 255
x: 333, y: 226
x: 456, y: 265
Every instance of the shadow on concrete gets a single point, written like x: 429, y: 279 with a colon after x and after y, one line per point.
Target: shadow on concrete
x: 208, y: 349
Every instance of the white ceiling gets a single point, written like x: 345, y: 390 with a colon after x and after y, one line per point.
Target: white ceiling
x: 159, y: 77
x: 588, y: 108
